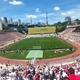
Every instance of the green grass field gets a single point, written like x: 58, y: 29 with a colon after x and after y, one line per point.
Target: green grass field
x: 46, y: 54
x: 47, y: 44
x: 35, y: 54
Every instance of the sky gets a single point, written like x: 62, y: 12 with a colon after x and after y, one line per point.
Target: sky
x: 36, y: 9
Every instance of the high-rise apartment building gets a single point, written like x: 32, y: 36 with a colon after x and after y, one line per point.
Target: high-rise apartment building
x: 68, y: 18
x: 19, y: 22
x: 11, y: 20
x: 5, y: 21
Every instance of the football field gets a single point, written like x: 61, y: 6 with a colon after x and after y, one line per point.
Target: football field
x: 44, y: 42
x: 35, y: 54
x: 39, y: 47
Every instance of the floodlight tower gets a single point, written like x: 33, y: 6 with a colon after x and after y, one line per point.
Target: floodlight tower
x: 46, y: 18
x: 31, y: 20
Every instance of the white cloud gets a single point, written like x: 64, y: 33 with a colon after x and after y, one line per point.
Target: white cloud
x: 37, y: 10
x: 40, y: 20
x: 67, y: 13
x: 1, y: 19
x: 70, y: 12
x: 63, y: 14
x: 56, y: 8
x: 73, y: 17
x: 31, y: 16
x: 73, y: 13
x: 42, y: 15
x: 14, y: 2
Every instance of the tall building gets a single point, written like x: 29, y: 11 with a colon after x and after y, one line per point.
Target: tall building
x: 0, y: 24
x: 39, y: 23
x: 15, y: 23
x: 68, y: 18
x: 5, y: 21
x: 11, y: 20
x: 19, y: 22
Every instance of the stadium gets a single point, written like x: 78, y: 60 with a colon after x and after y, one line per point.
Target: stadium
x: 40, y: 46
x: 39, y: 39
x: 41, y: 43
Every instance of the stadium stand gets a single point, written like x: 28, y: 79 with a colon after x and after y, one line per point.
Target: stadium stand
x: 9, y: 38
x: 72, y: 34
x: 48, y: 70
x: 77, y: 29
x: 66, y: 32
x: 41, y: 35
x: 40, y: 72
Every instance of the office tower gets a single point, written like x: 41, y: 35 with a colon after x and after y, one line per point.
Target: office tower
x: 11, y: 20
x: 68, y: 18
x: 5, y: 21
x: 19, y: 22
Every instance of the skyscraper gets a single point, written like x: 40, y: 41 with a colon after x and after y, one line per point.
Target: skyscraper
x: 68, y: 18
x: 19, y: 22
x: 0, y: 24
x: 5, y: 21
x: 11, y: 20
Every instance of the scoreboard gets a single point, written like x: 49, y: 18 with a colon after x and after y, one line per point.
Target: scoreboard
x: 41, y: 30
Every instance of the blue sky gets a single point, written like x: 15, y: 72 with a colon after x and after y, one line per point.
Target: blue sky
x: 24, y: 9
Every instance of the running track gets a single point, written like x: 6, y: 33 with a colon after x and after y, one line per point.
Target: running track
x: 39, y: 62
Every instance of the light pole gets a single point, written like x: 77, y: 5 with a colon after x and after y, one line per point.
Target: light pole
x: 31, y: 20
x: 46, y: 18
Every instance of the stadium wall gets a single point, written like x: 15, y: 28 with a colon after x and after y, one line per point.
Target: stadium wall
x: 41, y: 30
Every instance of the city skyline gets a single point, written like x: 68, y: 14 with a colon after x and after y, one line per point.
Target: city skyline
x: 26, y: 9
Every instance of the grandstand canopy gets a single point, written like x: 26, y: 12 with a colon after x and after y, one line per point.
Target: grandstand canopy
x: 41, y: 30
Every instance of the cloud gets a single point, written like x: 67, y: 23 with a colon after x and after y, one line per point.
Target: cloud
x: 56, y: 8
x: 63, y: 14
x: 73, y: 13
x: 37, y: 10
x: 31, y: 16
x: 74, y: 17
x: 40, y: 20
x: 1, y: 19
x: 14, y: 2
x: 67, y: 13
x: 70, y: 12
x: 42, y: 15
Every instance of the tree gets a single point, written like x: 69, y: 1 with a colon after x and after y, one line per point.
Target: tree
x: 20, y: 29
x: 6, y: 28
x: 77, y: 20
